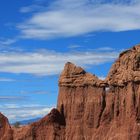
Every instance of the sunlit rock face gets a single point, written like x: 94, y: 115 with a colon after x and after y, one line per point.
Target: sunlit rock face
x: 102, y: 110
x: 92, y: 109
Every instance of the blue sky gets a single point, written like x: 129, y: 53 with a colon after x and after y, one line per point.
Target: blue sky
x: 37, y: 37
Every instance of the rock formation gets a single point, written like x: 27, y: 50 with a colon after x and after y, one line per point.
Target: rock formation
x: 6, y: 132
x: 107, y: 109
x: 92, y: 109
x: 51, y: 127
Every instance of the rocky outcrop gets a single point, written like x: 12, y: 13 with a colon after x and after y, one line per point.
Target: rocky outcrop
x: 102, y: 110
x: 92, y: 109
x: 51, y: 127
x: 126, y: 68
x: 6, y: 132
x: 82, y: 101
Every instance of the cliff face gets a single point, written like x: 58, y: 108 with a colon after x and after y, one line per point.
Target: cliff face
x: 5, y: 129
x: 51, y: 127
x: 102, y: 110
x: 82, y: 101
x: 91, y: 109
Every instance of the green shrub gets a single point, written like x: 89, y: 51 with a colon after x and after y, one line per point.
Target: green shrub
x: 17, y: 124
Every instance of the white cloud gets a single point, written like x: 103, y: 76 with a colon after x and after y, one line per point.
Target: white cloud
x: 31, y: 8
x: 50, y: 62
x: 74, y: 46
x: 102, y: 77
x: 35, y: 92
x: 6, y: 42
x: 16, y: 112
x: 13, y: 98
x: 66, y: 18
x: 105, y: 49
x: 7, y: 80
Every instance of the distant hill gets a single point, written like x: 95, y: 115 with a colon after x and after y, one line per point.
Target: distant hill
x: 24, y: 122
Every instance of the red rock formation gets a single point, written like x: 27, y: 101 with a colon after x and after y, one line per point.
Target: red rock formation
x: 5, y: 129
x: 51, y: 127
x: 122, y: 110
x: 81, y: 100
x: 91, y: 109
x: 102, y: 110
x: 126, y: 68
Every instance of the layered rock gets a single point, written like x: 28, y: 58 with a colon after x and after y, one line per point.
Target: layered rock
x: 81, y: 100
x: 6, y: 132
x: 102, y: 110
x: 92, y: 109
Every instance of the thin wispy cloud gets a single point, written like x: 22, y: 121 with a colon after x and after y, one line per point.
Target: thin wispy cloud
x: 105, y: 49
x: 67, y: 18
x: 51, y: 62
x: 16, y: 112
x: 35, y: 92
x: 7, y: 80
x: 6, y: 42
x: 31, y: 8
x: 13, y: 98
x: 74, y: 46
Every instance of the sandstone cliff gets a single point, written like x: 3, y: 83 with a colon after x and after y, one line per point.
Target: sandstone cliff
x: 51, y: 127
x: 6, y: 132
x: 92, y: 109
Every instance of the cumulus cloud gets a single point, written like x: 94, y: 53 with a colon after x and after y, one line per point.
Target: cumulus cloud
x: 66, y: 18
x: 16, y: 112
x: 51, y: 62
